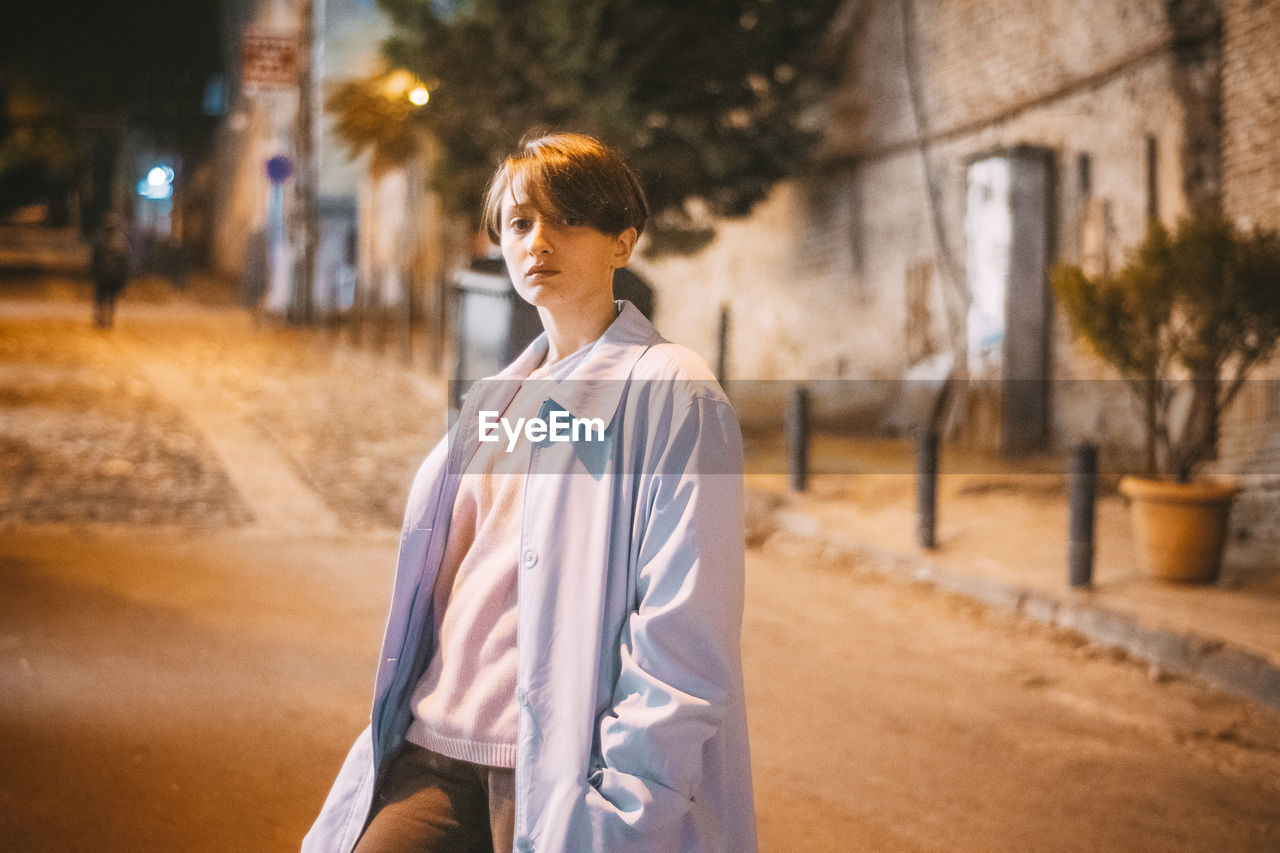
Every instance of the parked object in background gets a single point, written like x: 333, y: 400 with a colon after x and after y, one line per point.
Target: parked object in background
x: 109, y: 267
x: 1202, y: 303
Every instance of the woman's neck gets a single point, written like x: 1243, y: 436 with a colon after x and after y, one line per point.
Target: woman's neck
x: 570, y: 331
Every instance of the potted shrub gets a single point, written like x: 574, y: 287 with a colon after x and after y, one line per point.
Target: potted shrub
x: 1184, y: 321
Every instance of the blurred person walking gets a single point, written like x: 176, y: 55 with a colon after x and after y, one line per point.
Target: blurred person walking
x: 110, y: 267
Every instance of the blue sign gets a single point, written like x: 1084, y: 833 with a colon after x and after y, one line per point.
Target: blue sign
x: 279, y: 168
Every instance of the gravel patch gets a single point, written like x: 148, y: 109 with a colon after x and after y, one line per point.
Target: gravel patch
x: 82, y: 439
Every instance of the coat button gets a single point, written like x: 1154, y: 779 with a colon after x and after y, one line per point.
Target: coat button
x: 524, y: 845
x: 522, y: 697
x: 529, y: 558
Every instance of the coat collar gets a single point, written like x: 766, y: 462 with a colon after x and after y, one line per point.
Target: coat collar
x: 595, y: 386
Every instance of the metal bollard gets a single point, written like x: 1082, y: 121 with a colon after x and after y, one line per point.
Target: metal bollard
x: 1083, y: 499
x: 722, y: 348
x: 797, y: 433
x: 926, y: 488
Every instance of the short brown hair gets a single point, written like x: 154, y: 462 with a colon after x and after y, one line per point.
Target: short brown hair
x: 572, y: 176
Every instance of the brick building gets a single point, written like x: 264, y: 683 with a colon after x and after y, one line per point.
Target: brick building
x: 1251, y: 196
x: 893, y: 258
x: 863, y: 269
x: 1251, y: 111
x: 970, y: 146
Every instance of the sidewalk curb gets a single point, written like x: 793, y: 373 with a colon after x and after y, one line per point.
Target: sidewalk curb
x: 1218, y: 663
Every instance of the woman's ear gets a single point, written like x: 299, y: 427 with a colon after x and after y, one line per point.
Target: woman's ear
x: 625, y: 242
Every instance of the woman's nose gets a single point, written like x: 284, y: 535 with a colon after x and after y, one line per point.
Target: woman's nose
x: 538, y: 242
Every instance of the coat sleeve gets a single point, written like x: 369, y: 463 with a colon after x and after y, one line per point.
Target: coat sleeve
x: 680, y: 661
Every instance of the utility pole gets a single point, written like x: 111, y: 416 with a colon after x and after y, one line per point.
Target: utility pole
x: 307, y: 224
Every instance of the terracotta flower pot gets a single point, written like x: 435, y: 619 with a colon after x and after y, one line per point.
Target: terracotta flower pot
x: 1180, y: 528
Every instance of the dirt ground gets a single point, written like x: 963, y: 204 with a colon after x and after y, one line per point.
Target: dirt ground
x: 77, y: 404
x: 82, y: 438
x: 179, y: 673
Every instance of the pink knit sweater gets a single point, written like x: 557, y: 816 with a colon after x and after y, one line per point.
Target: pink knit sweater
x: 464, y: 705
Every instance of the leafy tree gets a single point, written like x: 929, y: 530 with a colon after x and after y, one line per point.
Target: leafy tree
x: 376, y: 116
x: 1202, y: 303
x: 707, y: 101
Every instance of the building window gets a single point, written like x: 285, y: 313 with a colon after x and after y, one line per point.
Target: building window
x: 827, y: 231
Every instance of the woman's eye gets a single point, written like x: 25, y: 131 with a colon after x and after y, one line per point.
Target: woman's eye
x: 573, y: 221
x: 518, y: 224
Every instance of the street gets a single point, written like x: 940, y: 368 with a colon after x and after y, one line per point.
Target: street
x: 189, y: 627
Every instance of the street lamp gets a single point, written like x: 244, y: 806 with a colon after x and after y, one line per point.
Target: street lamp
x: 403, y: 84
x: 158, y: 184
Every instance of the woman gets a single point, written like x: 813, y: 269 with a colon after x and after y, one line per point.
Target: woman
x: 561, y: 666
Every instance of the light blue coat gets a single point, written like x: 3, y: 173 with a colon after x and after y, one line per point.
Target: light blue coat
x: 632, y: 732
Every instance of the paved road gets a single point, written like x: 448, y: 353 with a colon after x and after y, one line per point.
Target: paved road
x: 196, y: 692
x: 178, y: 691
x: 184, y: 688
x: 890, y: 717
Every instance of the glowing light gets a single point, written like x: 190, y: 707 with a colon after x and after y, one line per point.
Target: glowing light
x: 147, y: 190
x: 402, y: 83
x: 158, y: 184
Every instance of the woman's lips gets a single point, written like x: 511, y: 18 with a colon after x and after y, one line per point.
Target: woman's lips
x: 539, y: 272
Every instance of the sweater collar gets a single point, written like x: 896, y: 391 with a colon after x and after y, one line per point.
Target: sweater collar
x: 594, y: 388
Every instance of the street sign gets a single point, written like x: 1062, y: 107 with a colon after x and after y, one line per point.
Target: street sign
x: 268, y: 61
x: 279, y: 168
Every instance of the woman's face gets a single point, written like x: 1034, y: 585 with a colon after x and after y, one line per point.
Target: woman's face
x: 560, y: 264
